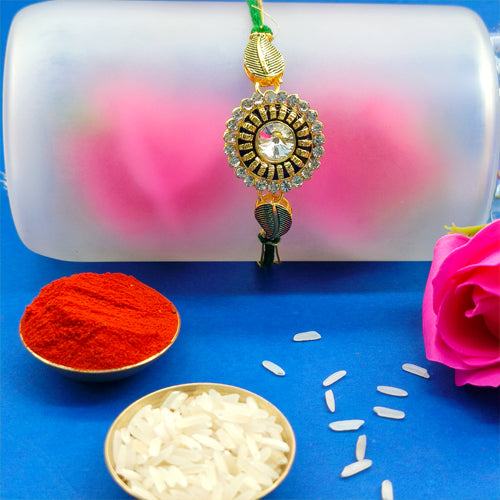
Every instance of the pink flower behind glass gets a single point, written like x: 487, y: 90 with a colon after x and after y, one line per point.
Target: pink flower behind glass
x: 146, y: 160
x: 461, y: 308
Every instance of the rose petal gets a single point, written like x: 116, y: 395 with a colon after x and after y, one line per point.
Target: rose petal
x: 466, y: 336
x: 489, y: 376
x: 462, y: 252
x: 443, y: 247
x: 487, y: 307
x: 473, y: 363
x: 461, y: 307
x: 489, y: 259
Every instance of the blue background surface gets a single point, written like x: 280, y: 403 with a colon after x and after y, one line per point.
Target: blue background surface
x: 234, y: 315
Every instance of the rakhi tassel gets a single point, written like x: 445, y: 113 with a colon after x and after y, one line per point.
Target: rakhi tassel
x: 274, y: 215
x: 269, y: 250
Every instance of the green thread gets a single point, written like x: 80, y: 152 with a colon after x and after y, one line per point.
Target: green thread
x: 257, y: 18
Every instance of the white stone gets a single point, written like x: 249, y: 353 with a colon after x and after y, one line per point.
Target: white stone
x: 241, y: 172
x: 318, y: 151
x: 261, y: 185
x: 275, y: 141
x: 316, y: 127
x: 293, y: 100
x: 311, y: 115
x: 270, y: 97
x: 238, y: 114
x: 282, y: 97
x: 303, y: 106
x: 286, y: 186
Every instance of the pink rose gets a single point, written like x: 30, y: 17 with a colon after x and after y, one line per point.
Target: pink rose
x: 461, y: 307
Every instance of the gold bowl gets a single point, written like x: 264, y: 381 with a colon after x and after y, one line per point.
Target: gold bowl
x: 155, y: 399
x: 104, y: 375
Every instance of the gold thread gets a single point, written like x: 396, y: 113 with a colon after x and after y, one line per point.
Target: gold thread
x: 300, y: 121
x: 255, y: 119
x: 291, y: 117
x: 302, y: 152
x: 303, y: 131
x: 270, y: 172
x: 248, y: 156
x: 245, y: 137
x: 289, y: 168
x: 255, y: 163
x: 279, y: 169
x: 249, y: 126
x: 261, y: 170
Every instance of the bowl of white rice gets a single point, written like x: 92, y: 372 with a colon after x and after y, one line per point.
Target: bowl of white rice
x: 200, y: 441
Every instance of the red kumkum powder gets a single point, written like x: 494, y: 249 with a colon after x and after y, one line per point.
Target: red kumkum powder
x: 92, y: 321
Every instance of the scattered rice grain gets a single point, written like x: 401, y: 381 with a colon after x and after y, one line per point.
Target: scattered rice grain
x: 384, y: 412
x: 392, y: 391
x: 416, y: 370
x: 334, y: 377
x: 346, y: 425
x: 306, y: 336
x: 356, y: 467
x: 361, y: 447
x: 330, y: 400
x: 386, y: 490
x: 273, y: 368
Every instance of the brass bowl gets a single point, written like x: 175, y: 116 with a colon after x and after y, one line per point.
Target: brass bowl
x: 155, y: 399
x: 104, y: 375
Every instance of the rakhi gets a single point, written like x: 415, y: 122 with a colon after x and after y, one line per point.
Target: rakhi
x: 273, y: 140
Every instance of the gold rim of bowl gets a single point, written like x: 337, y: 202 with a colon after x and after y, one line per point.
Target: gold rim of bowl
x: 194, y: 389
x: 126, y: 368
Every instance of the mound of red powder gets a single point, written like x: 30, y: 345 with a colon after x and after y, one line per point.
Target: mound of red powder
x: 92, y: 321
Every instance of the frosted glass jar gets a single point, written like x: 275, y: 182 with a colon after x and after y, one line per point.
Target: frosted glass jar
x: 114, y: 113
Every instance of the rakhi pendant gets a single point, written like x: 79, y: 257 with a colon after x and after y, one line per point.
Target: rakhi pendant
x: 273, y: 142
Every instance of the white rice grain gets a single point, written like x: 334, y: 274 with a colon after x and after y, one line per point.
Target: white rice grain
x: 356, y: 467
x: 273, y: 368
x: 200, y: 447
x: 361, y: 447
x: 346, y: 425
x: 334, y: 377
x: 416, y: 370
x: 330, y: 400
x: 386, y: 490
x: 306, y: 336
x: 384, y: 412
x: 392, y: 391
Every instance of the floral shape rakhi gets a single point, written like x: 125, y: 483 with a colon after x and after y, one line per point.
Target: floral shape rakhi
x: 273, y: 141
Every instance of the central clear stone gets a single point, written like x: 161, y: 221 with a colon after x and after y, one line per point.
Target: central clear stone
x: 275, y: 141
